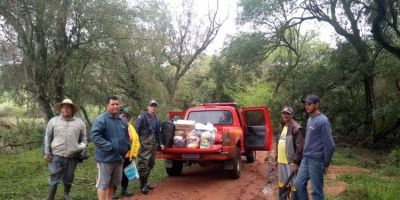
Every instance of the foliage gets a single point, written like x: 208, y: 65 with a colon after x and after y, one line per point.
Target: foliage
x: 394, y: 157
x: 27, y: 134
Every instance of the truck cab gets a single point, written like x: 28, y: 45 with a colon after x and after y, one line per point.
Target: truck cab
x: 240, y: 132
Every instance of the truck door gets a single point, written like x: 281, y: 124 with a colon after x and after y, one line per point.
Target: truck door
x: 176, y: 115
x: 258, y: 128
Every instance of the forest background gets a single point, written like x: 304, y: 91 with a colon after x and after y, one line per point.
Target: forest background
x: 138, y: 50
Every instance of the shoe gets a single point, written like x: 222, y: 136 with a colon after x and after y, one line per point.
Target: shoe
x: 144, y: 190
x: 124, y: 192
x: 149, y: 187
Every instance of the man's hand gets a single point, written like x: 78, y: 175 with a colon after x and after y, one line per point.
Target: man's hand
x: 295, y: 167
x: 47, y: 158
x: 162, y: 147
x: 82, y: 146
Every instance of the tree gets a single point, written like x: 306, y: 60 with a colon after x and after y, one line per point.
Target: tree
x: 386, y: 25
x: 186, y: 41
x: 47, y: 33
x: 347, y: 17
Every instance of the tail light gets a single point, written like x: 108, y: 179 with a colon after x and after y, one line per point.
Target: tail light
x: 226, y: 137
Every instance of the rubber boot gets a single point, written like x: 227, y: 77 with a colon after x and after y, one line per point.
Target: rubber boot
x: 283, y: 193
x: 293, y: 194
x: 51, y: 192
x: 143, y: 186
x: 67, y: 190
x: 124, y: 192
x: 149, y: 186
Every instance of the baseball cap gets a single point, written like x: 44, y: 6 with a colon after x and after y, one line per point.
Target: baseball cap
x: 311, y: 99
x: 124, y: 110
x: 287, y: 109
x: 151, y: 102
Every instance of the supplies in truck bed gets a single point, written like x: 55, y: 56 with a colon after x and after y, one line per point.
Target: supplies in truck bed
x: 193, y: 139
x: 184, y: 124
x: 182, y: 129
x: 193, y: 135
x: 179, y: 141
x: 207, y: 134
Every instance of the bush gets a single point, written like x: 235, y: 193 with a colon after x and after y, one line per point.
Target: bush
x: 394, y: 157
x: 26, y: 134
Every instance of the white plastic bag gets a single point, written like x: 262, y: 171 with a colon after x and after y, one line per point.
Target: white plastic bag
x: 131, y: 171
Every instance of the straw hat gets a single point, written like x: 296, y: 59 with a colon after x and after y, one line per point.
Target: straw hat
x: 58, y: 106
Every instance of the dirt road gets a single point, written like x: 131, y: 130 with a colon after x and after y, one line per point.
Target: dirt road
x: 212, y: 182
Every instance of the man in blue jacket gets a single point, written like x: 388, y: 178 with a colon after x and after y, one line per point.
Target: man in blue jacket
x: 111, y: 137
x: 318, y: 151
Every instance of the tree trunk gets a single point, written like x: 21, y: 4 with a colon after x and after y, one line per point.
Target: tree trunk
x: 86, y: 115
x: 369, y: 107
x: 172, y: 90
x: 44, y: 106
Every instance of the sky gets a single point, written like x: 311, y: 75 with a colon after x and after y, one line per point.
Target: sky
x: 228, y: 8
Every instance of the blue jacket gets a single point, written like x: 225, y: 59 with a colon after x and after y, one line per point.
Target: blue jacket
x: 111, y: 137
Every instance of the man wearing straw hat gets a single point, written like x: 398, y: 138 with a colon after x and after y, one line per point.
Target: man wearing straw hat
x: 65, y: 140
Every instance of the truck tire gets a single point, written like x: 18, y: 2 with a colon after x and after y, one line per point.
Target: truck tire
x: 167, y: 133
x: 237, y: 165
x: 251, y: 156
x: 176, y: 168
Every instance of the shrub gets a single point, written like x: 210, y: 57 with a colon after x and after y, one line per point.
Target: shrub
x: 394, y: 157
x: 26, y: 134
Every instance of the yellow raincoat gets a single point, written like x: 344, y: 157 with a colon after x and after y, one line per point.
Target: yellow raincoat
x: 135, y: 145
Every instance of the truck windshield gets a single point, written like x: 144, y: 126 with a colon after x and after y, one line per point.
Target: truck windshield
x: 211, y: 116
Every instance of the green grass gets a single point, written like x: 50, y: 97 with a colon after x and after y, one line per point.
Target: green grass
x: 383, y: 183
x: 24, y: 175
x: 374, y: 187
x: 358, y: 158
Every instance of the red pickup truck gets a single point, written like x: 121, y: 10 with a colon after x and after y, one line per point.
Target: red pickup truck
x: 239, y: 132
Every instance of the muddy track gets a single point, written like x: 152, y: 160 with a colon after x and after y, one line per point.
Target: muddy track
x: 212, y: 182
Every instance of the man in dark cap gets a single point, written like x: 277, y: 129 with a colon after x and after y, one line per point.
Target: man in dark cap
x: 290, y: 150
x: 318, y: 151
x: 148, y: 128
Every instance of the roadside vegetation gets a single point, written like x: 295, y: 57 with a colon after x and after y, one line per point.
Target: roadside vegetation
x: 381, y: 181
x: 24, y: 175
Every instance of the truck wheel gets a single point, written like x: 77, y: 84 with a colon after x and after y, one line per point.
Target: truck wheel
x: 251, y: 156
x: 237, y: 165
x: 176, y: 168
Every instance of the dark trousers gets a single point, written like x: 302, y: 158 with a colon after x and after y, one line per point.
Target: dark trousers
x: 62, y: 169
x: 125, y: 180
x: 147, y: 155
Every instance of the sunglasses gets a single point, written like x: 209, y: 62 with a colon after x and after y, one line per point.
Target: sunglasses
x: 153, y: 105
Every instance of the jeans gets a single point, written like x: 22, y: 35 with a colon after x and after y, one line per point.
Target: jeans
x: 313, y: 170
